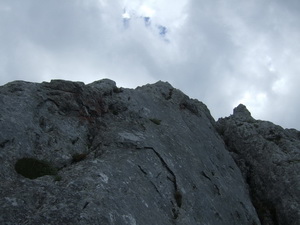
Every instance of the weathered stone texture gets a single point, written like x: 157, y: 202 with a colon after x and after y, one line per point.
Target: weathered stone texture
x: 269, y: 158
x: 145, y: 156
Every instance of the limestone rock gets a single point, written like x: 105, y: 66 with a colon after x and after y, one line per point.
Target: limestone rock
x: 149, y: 155
x: 269, y: 158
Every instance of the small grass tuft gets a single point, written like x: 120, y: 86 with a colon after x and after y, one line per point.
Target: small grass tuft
x: 57, y: 178
x: 117, y: 90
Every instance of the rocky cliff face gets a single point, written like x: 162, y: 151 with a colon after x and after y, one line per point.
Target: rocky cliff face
x: 269, y: 158
x: 98, y: 154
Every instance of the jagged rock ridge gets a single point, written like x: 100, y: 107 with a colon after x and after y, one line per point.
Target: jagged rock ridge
x: 269, y: 158
x: 149, y: 155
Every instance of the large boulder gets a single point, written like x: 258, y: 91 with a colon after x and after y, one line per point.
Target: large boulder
x: 269, y: 158
x: 72, y: 153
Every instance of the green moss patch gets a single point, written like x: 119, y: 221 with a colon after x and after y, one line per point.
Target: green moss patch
x: 33, y: 168
x: 155, y: 121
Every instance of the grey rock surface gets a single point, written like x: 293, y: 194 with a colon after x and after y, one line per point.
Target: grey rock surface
x: 269, y: 158
x: 144, y: 156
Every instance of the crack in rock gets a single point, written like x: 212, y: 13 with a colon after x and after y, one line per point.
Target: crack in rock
x: 3, y: 143
x: 177, y: 194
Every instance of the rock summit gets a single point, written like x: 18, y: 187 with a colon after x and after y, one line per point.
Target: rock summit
x: 72, y: 153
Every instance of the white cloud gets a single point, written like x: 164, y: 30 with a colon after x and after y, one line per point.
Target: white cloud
x: 254, y: 101
x: 221, y: 52
x: 146, y: 11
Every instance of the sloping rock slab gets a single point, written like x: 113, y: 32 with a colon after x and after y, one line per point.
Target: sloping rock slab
x: 145, y: 156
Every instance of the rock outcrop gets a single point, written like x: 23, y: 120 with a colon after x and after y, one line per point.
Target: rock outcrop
x: 72, y: 153
x: 98, y: 154
x: 269, y: 158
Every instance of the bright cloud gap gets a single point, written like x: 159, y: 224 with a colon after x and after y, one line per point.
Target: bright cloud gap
x: 145, y: 15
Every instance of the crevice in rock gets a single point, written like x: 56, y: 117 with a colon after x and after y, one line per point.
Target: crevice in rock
x: 177, y: 194
x: 216, y: 188
x: 169, y: 95
x: 89, y: 140
x: 266, y: 210
x: 79, y: 157
x: 4, y: 143
x: 178, y: 198
x: 204, y: 174
x: 175, y: 213
x: 143, y: 171
x: 167, y: 168
x: 74, y: 141
x: 152, y: 183
x: 156, y: 189
x: 85, y: 205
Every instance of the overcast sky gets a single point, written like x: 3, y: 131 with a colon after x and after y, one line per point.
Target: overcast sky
x: 220, y: 52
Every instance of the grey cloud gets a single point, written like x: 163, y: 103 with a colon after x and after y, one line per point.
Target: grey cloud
x: 245, y: 35
x: 222, y: 52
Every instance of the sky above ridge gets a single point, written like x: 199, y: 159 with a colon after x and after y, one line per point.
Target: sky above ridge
x: 220, y: 52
